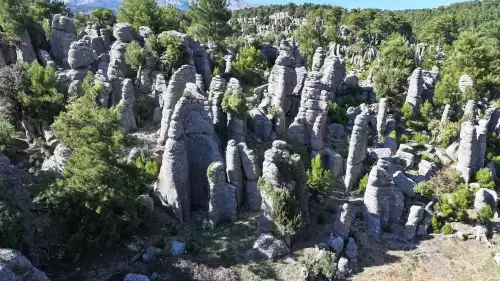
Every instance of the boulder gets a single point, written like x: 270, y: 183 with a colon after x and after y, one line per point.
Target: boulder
x: 223, y: 203
x: 268, y: 247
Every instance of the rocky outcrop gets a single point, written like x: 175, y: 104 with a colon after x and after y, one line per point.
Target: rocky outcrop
x: 223, y: 204
x: 414, y: 95
x: 377, y: 198
x: 190, y: 148
x: 24, y: 50
x: 465, y: 82
x: 357, y: 151
x: 63, y: 33
x: 251, y: 169
x: 175, y: 90
x: 334, y: 72
x: 470, y: 110
x: 318, y: 59
x: 215, y: 95
x: 125, y: 33
x: 485, y: 197
x: 127, y: 104
x: 342, y: 222
x: 268, y: 247
x: 309, y: 125
x: 16, y: 267
x: 467, y: 152
x: 234, y: 169
x: 381, y: 117
x: 282, y: 82
x: 481, y: 132
x: 414, y: 218
x: 57, y: 161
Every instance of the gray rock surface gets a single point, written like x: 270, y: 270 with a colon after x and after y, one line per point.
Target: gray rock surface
x: 135, y: 277
x: 63, y: 33
x: 234, y: 169
x: 16, y: 267
x: 357, y: 151
x: 318, y: 59
x: 404, y: 183
x: 464, y: 82
x: 414, y: 218
x: 223, y: 203
x: 485, y: 197
x: 175, y: 90
x: 81, y: 54
x: 414, y: 95
x: 377, y: 198
x: 381, y: 117
x: 268, y: 247
x: 125, y: 32
x: 467, y: 152
x: 127, y: 104
x: 481, y: 133
x: 24, y: 50
x: 342, y: 221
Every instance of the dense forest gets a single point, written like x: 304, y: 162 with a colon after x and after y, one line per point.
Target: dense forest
x: 154, y: 143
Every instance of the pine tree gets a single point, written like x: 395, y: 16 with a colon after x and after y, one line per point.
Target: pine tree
x: 210, y: 20
x: 319, y: 180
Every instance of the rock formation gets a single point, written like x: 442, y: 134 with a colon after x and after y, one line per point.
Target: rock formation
x: 309, y: 125
x: 468, y: 151
x: 414, y: 218
x: 414, y: 95
x: 334, y: 72
x: 175, y: 90
x: 16, y: 267
x: 62, y: 34
x: 381, y: 117
x: 378, y: 197
x: 465, y: 82
x: 318, y: 59
x: 190, y: 148
x: 481, y: 131
x: 127, y: 104
x: 24, y: 50
x: 357, y: 151
x: 342, y: 222
x: 222, y: 204
x: 215, y: 95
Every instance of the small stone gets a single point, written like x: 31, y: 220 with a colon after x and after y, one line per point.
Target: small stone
x: 177, y: 248
x: 136, y: 277
x: 497, y: 258
x: 461, y: 236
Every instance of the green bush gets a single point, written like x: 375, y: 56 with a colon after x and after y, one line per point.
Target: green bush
x: 172, y: 51
x: 462, y: 198
x: 104, y: 17
x: 96, y: 196
x: 463, y: 216
x: 420, y: 138
x: 337, y: 114
x: 320, y: 264
x: 319, y: 180
x: 250, y: 66
x: 485, y: 214
x: 217, y: 72
x: 133, y: 55
x: 362, y: 184
x: 11, y: 222
x: 451, y: 130
x: 273, y: 111
x: 436, y: 225
x: 407, y: 112
x: 484, y: 178
x: 297, y: 147
x: 445, y: 209
x: 426, y: 112
x: 235, y: 103
x: 426, y: 156
x: 424, y: 189
x: 6, y: 131
x: 447, y: 229
x: 286, y: 209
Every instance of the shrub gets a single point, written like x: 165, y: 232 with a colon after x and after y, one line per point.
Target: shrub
x: 249, y: 66
x: 297, y: 147
x: 445, y: 209
x: 320, y: 263
x: 426, y: 156
x: 485, y: 214
x: 102, y: 16
x: 286, y: 210
x: 403, y: 139
x: 436, y: 224
x: 234, y: 103
x: 173, y: 53
x: 451, y: 130
x: 424, y: 189
x: 273, y: 111
x: 407, y: 112
x: 463, y: 216
x: 6, y: 131
x: 133, y: 56
x: 420, y: 138
x: 337, y: 114
x: 484, y: 178
x: 217, y: 71
x: 319, y: 180
x: 447, y: 229
x: 11, y: 222
x: 362, y: 184
x: 426, y: 113
x: 462, y: 198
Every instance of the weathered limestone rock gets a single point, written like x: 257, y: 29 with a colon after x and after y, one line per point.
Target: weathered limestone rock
x: 404, y: 183
x: 24, y: 50
x: 414, y: 96
x: 381, y: 117
x: 223, y: 204
x: 397, y: 205
x: 57, y: 161
x: 117, y: 69
x: 63, y: 33
x: 318, y: 59
x: 127, y: 103
x: 125, y: 32
x: 357, y: 151
x: 465, y: 82
x: 377, y: 198
x: 446, y: 114
x: 43, y: 56
x: 404, y: 157
x: 481, y: 131
x: 215, y: 95
x: 470, y: 110
x: 81, y: 54
x: 3, y: 62
x: 252, y: 198
x: 190, y: 148
x: 310, y: 123
x: 236, y: 127
x: 175, y: 90
x: 485, y: 197
x: 380, y: 153
x: 234, y: 169
x: 259, y: 124
x: 268, y: 247
x: 107, y: 89
x: 467, y: 152
x: 282, y: 82
x: 334, y: 72
x: 414, y: 218
x: 16, y: 267
x: 342, y: 222
x: 452, y: 151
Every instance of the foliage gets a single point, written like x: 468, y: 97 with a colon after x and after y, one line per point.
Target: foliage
x: 133, y: 55
x: 235, y: 104
x: 173, y: 53
x: 141, y: 13
x: 436, y: 224
x: 447, y: 229
x: 250, y: 66
x: 462, y: 198
x: 421, y: 138
x: 13, y: 18
x: 11, y: 222
x: 11, y: 83
x: 362, y: 184
x: 426, y: 112
x: 337, y: 114
x: 286, y: 210
x: 320, y: 263
x: 39, y: 99
x: 96, y: 194
x: 407, y: 112
x: 6, y: 131
x: 273, y: 110
x: 297, y: 147
x: 394, y: 66
x: 485, y: 214
x: 209, y: 20
x: 104, y: 17
x: 484, y: 178
x: 426, y: 156
x: 319, y: 180
x: 451, y: 130
x: 424, y: 189
x: 216, y: 72
x: 148, y: 170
